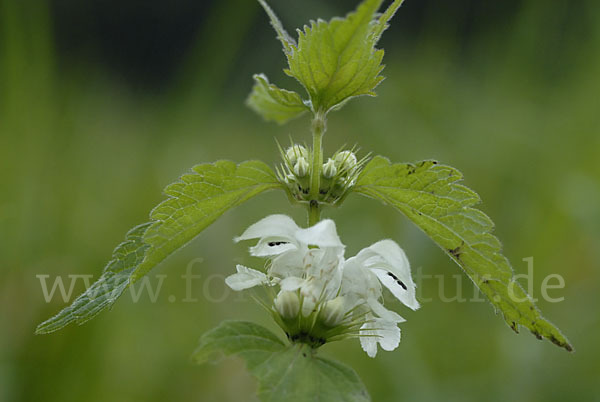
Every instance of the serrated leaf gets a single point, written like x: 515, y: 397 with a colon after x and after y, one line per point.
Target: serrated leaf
x: 286, y: 373
x: 106, y: 290
x: 431, y: 196
x: 274, y: 103
x: 286, y: 40
x: 195, y: 201
x: 337, y: 60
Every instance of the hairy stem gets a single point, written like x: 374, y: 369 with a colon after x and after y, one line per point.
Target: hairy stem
x: 318, y: 129
x: 314, y: 213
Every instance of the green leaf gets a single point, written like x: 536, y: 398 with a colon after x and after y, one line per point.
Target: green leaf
x: 286, y: 373
x: 274, y: 103
x: 106, y: 290
x: 195, y: 201
x: 431, y: 196
x: 286, y: 40
x: 337, y: 60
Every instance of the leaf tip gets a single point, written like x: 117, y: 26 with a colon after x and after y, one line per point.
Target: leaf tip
x: 563, y: 343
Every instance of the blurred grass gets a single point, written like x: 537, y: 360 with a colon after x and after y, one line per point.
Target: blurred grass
x: 83, y: 158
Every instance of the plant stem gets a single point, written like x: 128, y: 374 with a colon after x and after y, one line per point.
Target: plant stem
x: 318, y: 129
x: 314, y: 213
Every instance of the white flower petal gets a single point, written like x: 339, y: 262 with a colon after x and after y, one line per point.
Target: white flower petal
x: 389, y: 262
x: 276, y: 233
x: 368, y: 342
x: 287, y: 304
x: 272, y: 246
x: 291, y: 283
x: 332, y: 285
x: 323, y: 234
x: 379, y: 331
x: 314, y: 291
x: 308, y: 305
x: 288, y: 264
x: 333, y: 311
x: 403, y: 292
x: 246, y: 278
x: 389, y: 335
x: 360, y: 281
x: 323, y: 262
x: 272, y: 226
x: 383, y: 312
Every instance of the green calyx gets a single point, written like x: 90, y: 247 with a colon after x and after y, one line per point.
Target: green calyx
x: 313, y: 325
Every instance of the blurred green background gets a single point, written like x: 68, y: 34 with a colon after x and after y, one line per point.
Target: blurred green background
x: 103, y: 103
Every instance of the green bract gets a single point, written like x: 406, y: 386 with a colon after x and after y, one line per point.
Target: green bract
x: 286, y: 373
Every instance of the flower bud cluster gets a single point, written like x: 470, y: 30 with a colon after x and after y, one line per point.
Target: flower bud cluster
x: 296, y: 170
x: 338, y: 174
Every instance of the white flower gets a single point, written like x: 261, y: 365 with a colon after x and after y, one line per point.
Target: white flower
x: 246, y: 278
x: 336, y: 298
x: 308, y: 260
x: 295, y: 251
x: 276, y: 234
x: 279, y: 233
x: 383, y: 262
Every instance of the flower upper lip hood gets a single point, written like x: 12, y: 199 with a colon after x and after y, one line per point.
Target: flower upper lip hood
x: 344, y: 294
x: 279, y: 233
x: 386, y: 260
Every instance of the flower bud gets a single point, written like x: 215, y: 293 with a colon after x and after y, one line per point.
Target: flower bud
x: 294, y: 152
x: 329, y: 169
x: 287, y: 304
x: 301, y: 168
x: 290, y: 178
x: 333, y: 312
x: 345, y: 160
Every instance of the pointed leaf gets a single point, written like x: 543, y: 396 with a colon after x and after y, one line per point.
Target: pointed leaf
x: 337, y: 60
x: 273, y: 103
x: 251, y: 341
x: 431, y: 196
x: 105, y: 291
x: 286, y: 40
x: 195, y: 201
x: 286, y: 373
x: 382, y: 23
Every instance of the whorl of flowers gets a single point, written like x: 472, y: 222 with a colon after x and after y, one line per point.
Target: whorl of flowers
x: 318, y: 296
